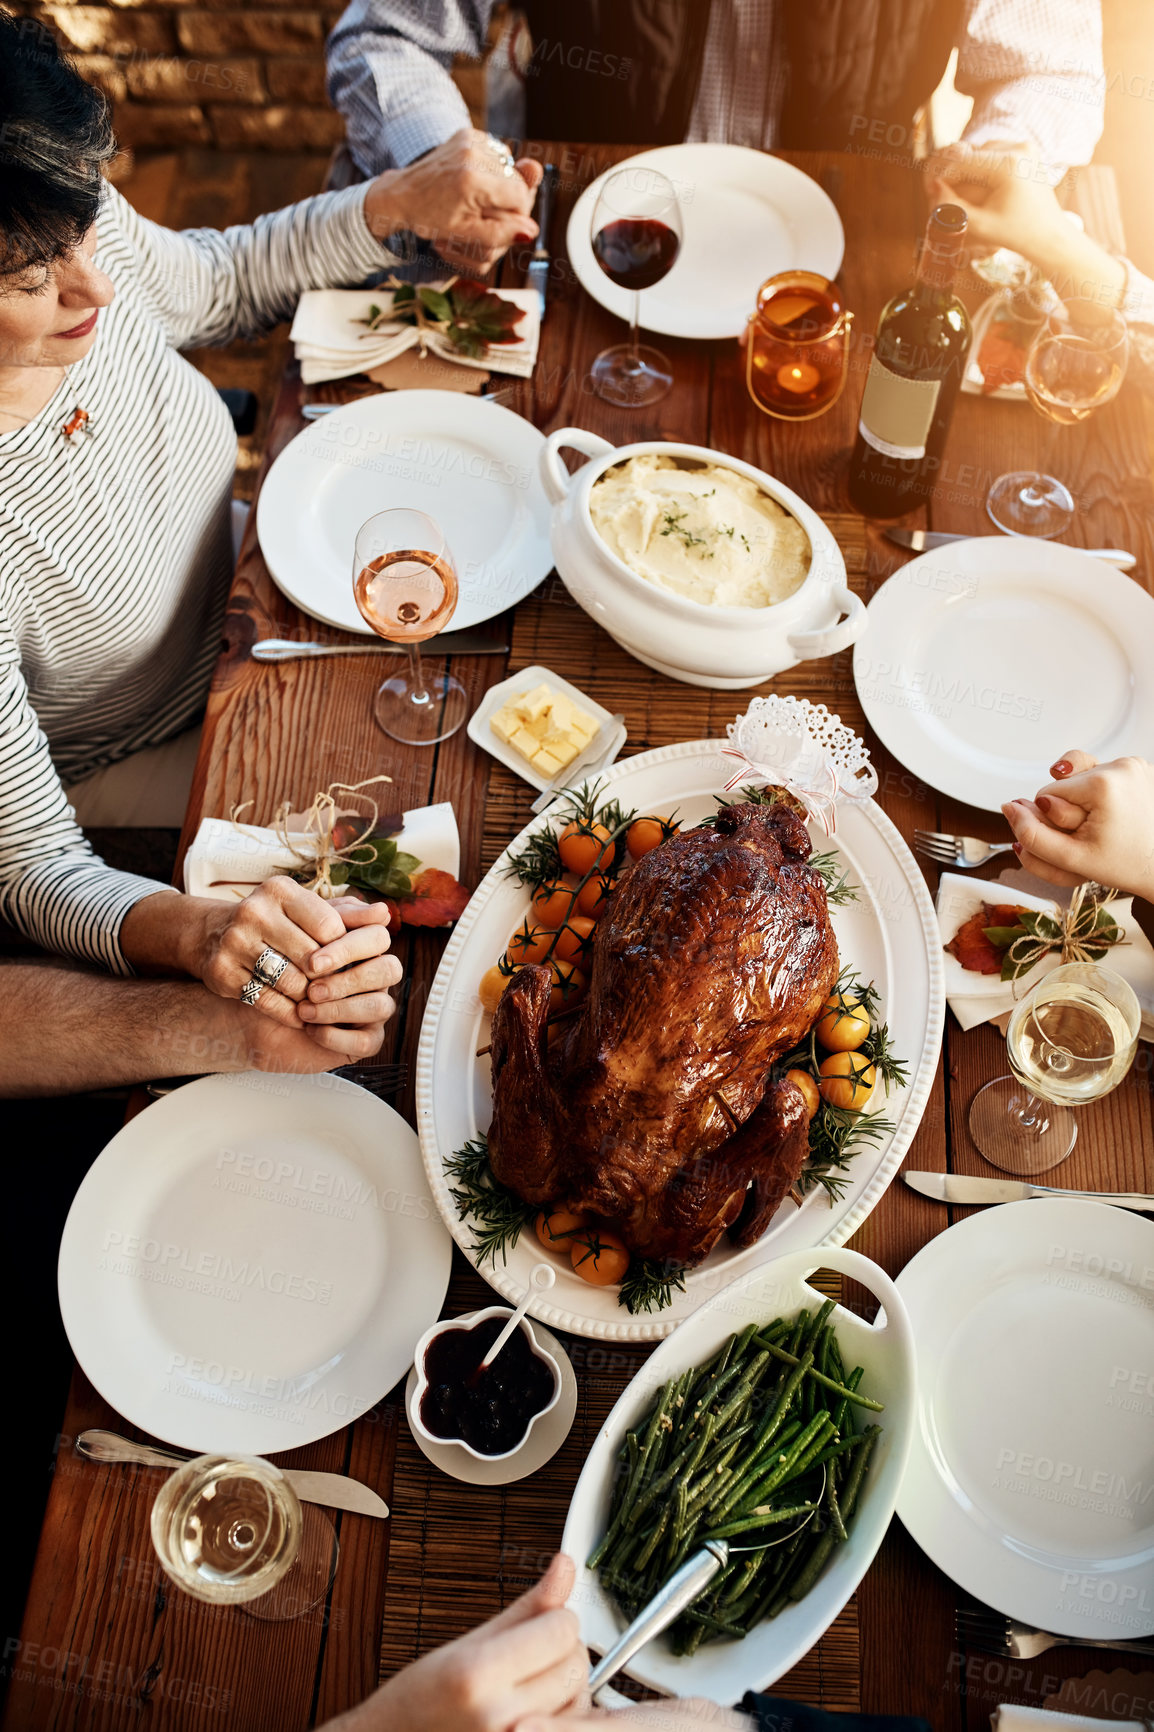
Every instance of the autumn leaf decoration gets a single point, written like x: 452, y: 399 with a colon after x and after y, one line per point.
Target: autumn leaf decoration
x: 465, y: 312
x: 1008, y: 940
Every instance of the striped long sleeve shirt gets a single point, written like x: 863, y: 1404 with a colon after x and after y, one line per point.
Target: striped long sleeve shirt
x: 115, y: 549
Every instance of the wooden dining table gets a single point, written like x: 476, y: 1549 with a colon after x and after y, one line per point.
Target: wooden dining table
x: 108, y: 1644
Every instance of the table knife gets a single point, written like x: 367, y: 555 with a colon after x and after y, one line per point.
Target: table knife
x: 921, y: 540
x: 335, y: 1490
x: 537, y: 275
x: 961, y: 1188
x: 605, y: 744
x: 467, y: 642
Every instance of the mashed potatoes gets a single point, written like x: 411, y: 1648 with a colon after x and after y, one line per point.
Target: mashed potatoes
x: 706, y: 533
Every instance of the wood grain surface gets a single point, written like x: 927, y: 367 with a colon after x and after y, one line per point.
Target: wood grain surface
x: 106, y: 1645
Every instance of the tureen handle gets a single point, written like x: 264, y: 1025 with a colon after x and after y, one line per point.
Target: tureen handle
x: 808, y: 644
x: 554, y: 475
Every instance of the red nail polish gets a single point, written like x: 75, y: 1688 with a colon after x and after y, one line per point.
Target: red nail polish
x: 1016, y: 846
x: 1062, y: 768
x: 1043, y: 802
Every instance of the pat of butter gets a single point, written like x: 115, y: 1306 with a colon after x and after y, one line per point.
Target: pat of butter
x: 545, y: 727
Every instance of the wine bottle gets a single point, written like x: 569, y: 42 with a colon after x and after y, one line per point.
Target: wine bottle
x: 923, y: 339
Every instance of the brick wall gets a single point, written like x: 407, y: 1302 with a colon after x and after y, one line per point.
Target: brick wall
x: 214, y: 72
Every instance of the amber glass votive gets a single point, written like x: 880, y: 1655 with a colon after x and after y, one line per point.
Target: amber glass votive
x: 797, y: 346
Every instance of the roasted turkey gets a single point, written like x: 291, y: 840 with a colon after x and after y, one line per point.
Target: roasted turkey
x: 658, y: 1111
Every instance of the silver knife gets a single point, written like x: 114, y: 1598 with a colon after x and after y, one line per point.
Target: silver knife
x: 537, y: 275
x: 921, y: 540
x: 335, y: 1490
x: 461, y: 643
x: 594, y: 756
x: 961, y: 1188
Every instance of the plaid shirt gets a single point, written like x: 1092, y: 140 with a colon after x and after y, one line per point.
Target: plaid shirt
x: 1033, y: 67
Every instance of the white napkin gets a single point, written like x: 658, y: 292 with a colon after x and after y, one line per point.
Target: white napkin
x: 975, y: 998
x: 330, y: 344
x: 225, y: 859
x: 1012, y: 1717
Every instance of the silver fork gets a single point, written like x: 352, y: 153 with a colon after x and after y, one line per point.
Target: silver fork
x: 963, y: 851
x: 992, y: 1632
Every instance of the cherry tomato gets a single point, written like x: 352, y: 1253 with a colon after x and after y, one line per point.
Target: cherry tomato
x: 645, y: 834
x: 552, y: 901
x: 843, y: 1024
x: 583, y: 846
x: 493, y: 984
x: 593, y: 896
x: 529, y: 944
x: 568, y: 986
x: 573, y: 940
x: 847, y: 1080
x: 802, y: 1081
x: 555, y: 1228
x: 599, y: 1257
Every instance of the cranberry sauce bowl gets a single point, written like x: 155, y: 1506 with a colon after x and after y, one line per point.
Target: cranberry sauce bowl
x: 488, y: 1413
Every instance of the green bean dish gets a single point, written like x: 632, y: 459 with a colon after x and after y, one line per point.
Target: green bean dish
x: 729, y: 1450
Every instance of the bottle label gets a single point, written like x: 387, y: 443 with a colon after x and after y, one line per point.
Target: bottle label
x: 896, y: 413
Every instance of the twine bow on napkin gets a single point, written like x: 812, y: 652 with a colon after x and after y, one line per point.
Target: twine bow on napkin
x: 316, y: 862
x: 1083, y: 934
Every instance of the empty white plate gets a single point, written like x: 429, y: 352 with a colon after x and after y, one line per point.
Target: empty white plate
x: 983, y: 660
x: 469, y: 464
x: 1031, y: 1477
x: 251, y: 1262
x: 745, y: 216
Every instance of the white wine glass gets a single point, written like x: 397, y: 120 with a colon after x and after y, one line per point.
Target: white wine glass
x: 1069, y: 1042
x: 405, y: 585
x: 231, y: 1530
x: 1075, y: 364
x: 636, y: 236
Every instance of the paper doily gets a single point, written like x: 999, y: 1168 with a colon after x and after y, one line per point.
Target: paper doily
x: 794, y: 744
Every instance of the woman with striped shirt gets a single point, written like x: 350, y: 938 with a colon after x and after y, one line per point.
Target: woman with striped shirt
x: 116, y: 465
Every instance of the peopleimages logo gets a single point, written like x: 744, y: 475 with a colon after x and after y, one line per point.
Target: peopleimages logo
x: 131, y: 1254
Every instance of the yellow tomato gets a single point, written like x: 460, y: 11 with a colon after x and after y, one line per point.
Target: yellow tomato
x: 600, y: 1258
x: 583, y: 846
x: 645, y: 834
x: 593, y: 896
x: 493, y: 984
x: 802, y: 1081
x: 847, y: 1080
x: 843, y: 1023
x: 573, y: 940
x: 552, y: 901
x: 529, y: 944
x: 555, y: 1228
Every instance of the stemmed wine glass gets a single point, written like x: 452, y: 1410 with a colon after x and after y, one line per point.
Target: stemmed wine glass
x: 405, y: 585
x: 1075, y: 363
x: 1071, y: 1041
x: 636, y: 232
x: 231, y: 1530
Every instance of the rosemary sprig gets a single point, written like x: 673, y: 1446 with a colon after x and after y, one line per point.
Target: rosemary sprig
x: 540, y: 858
x: 497, y: 1213
x: 650, y: 1285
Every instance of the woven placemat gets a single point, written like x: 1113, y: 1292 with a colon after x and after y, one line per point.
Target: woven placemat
x: 459, y: 1553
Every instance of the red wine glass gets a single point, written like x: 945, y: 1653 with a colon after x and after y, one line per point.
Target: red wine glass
x: 636, y: 232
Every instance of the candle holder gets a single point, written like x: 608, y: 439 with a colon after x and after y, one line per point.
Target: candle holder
x: 797, y: 346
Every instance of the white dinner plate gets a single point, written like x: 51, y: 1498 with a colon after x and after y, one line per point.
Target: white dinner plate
x: 1031, y: 1477
x: 723, y: 1671
x: 983, y: 660
x: 745, y: 216
x: 469, y: 464
x: 250, y: 1263
x: 889, y: 934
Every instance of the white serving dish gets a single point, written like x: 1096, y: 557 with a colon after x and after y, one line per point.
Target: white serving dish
x: 726, y: 648
x: 482, y: 735
x: 723, y: 1671
x: 469, y: 1321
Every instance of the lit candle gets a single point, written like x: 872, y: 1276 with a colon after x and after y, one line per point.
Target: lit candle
x: 798, y: 377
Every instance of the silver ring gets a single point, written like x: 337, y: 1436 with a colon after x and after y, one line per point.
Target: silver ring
x: 269, y: 966
x: 251, y: 990
x: 502, y: 153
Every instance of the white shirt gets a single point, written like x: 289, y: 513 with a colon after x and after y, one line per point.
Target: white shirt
x: 115, y: 548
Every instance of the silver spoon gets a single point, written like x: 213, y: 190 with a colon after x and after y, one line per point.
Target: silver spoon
x: 281, y: 649
x: 680, y: 1591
